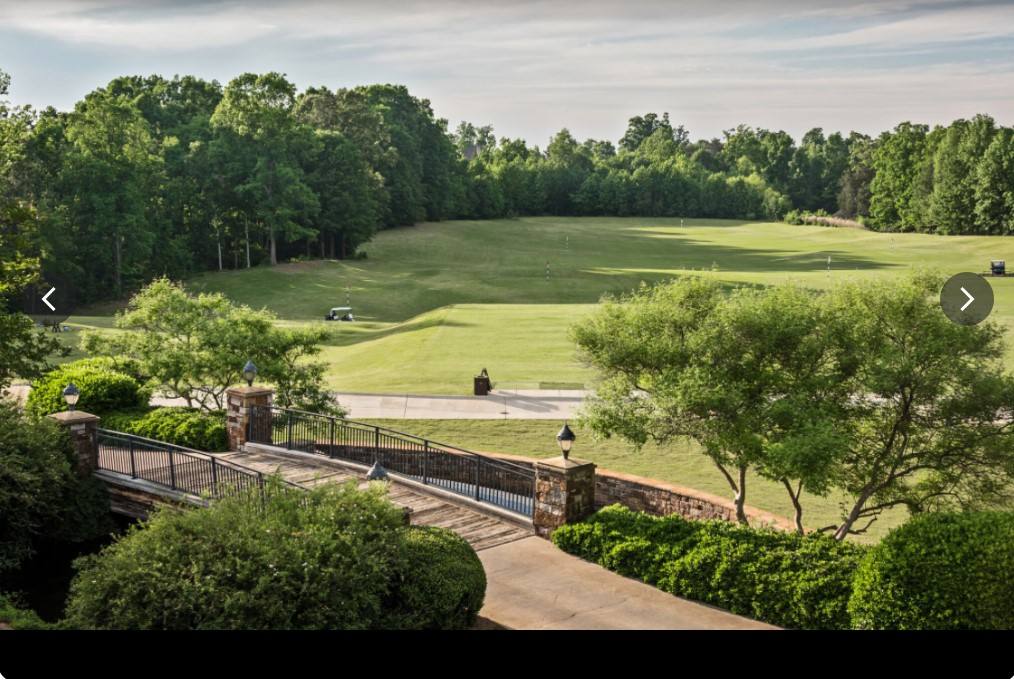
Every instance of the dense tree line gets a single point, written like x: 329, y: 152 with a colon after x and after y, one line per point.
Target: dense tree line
x: 150, y: 176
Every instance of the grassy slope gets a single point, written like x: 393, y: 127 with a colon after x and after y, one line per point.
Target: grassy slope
x: 422, y: 298
x: 679, y: 463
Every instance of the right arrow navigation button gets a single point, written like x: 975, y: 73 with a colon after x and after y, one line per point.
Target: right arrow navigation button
x: 963, y: 306
x: 966, y: 298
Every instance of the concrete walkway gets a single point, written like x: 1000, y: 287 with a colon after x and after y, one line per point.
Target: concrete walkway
x: 514, y: 404
x: 533, y: 585
x: 520, y: 404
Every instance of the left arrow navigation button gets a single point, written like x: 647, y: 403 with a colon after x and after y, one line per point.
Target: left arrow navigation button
x: 45, y: 299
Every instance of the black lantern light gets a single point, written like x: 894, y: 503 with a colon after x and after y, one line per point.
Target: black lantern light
x: 249, y: 373
x: 71, y: 394
x: 566, y: 440
x: 376, y: 473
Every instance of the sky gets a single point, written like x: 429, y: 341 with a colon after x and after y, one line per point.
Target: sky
x: 530, y: 68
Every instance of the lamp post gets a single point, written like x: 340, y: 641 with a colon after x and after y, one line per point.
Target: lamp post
x: 249, y: 373
x: 566, y: 440
x: 376, y: 473
x: 71, y: 394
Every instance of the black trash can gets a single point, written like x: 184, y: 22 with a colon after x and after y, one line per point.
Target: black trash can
x: 481, y: 385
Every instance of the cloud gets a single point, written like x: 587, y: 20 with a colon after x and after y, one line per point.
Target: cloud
x: 533, y: 66
x: 153, y: 29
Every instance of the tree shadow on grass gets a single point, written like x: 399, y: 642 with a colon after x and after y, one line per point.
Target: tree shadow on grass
x: 693, y: 253
x: 412, y: 325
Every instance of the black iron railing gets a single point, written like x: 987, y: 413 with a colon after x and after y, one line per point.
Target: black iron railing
x: 480, y: 477
x: 181, y: 469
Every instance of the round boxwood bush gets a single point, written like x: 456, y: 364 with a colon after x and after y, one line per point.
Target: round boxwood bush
x: 103, y: 389
x: 335, y: 557
x: 939, y: 571
x: 441, y: 583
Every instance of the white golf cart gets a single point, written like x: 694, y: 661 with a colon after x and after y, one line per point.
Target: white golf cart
x: 340, y: 313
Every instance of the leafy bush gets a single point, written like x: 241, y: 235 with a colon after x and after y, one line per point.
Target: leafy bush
x: 40, y: 494
x: 35, y: 473
x: 189, y: 427
x: 103, y: 388
x: 939, y: 571
x: 441, y: 583
x: 782, y: 578
x: 19, y: 618
x: 333, y: 558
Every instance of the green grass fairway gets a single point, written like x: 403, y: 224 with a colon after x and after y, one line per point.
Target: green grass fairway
x: 435, y: 303
x: 677, y: 463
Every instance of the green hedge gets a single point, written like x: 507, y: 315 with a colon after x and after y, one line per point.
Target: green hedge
x: 939, y: 571
x: 789, y: 580
x: 103, y: 384
x: 335, y: 557
x: 188, y: 427
x: 440, y: 585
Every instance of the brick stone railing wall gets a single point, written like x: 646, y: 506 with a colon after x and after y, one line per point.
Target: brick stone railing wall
x: 660, y: 498
x: 636, y: 492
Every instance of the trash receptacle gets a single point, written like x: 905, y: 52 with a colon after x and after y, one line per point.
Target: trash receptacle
x: 481, y: 385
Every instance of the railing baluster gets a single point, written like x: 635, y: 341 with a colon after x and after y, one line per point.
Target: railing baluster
x: 426, y: 460
x: 172, y: 470
x: 330, y: 450
x: 478, y: 466
x: 133, y: 464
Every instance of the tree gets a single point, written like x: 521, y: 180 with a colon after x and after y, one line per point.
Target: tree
x: 640, y: 128
x: 854, y: 185
x: 868, y: 389
x: 24, y: 352
x: 896, y: 161
x: 194, y: 347
x: 954, y: 173
x: 994, y: 186
x: 930, y: 420
x: 256, y: 113
x: 749, y: 376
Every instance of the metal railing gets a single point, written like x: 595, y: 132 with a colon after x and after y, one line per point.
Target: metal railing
x: 181, y: 469
x: 479, y: 477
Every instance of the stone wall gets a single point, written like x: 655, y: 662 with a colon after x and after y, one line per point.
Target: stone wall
x: 662, y: 499
x: 658, y: 497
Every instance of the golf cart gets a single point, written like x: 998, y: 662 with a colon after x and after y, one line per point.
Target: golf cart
x: 340, y: 313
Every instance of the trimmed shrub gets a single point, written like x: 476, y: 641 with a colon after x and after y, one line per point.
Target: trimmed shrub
x: 335, y: 557
x: 441, y: 583
x: 188, y: 427
x: 939, y: 571
x: 103, y: 389
x: 782, y: 578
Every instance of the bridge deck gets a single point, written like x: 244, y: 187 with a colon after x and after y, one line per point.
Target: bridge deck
x: 481, y: 531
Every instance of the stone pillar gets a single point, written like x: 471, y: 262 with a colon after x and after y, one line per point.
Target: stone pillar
x: 238, y: 402
x: 81, y: 426
x: 564, y: 493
